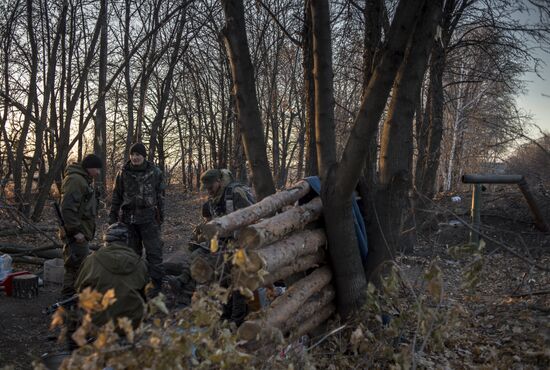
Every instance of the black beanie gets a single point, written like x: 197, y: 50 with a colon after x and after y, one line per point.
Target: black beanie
x: 91, y: 161
x: 138, y: 148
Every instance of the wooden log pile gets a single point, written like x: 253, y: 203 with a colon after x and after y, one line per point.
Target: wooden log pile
x: 287, y: 246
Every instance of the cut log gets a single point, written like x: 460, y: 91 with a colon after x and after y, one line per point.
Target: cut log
x: 277, y: 227
x: 173, y: 264
x: 29, y: 260
x: 286, y: 305
x: 224, y: 226
x: 25, y: 286
x: 273, y: 257
x: 259, y: 330
x: 252, y: 281
x: 314, y: 321
x: 312, y: 306
x: 201, y: 270
x: 27, y: 230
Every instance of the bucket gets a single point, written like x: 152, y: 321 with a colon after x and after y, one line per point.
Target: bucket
x: 5, y: 266
x: 53, y: 271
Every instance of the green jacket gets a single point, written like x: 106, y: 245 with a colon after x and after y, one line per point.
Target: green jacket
x: 138, y: 194
x: 116, y: 266
x: 78, y: 202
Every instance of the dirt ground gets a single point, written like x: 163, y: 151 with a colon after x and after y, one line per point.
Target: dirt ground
x: 24, y: 329
x: 505, y: 319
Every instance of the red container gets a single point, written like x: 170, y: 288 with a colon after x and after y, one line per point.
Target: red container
x: 7, y: 282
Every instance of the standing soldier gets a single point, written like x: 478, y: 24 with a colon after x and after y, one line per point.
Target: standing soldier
x: 224, y: 196
x: 79, y: 210
x: 138, y: 197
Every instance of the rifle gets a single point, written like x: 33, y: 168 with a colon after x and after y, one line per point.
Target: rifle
x: 66, y: 303
x: 62, y: 231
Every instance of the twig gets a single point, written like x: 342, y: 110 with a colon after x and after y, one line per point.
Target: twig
x: 337, y: 330
x: 536, y: 292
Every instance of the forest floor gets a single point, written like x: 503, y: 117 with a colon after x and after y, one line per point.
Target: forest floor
x: 500, y: 320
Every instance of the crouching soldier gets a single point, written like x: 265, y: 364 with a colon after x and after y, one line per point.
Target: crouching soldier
x: 116, y: 266
x: 224, y: 196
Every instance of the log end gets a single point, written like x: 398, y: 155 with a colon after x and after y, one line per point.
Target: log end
x: 201, y: 271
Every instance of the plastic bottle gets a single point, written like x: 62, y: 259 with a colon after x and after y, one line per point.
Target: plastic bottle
x: 5, y: 266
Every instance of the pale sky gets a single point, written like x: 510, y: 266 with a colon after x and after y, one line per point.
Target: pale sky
x: 534, y: 101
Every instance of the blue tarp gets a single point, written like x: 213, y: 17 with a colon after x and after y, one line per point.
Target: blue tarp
x: 360, y: 230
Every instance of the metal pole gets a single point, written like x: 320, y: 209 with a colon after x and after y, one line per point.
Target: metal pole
x: 475, y: 213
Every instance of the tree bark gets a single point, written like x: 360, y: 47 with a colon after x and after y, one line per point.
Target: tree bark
x: 242, y: 71
x: 275, y: 228
x: 277, y: 255
x: 340, y: 182
x: 100, y: 122
x: 393, y: 205
x: 226, y: 225
x: 252, y: 281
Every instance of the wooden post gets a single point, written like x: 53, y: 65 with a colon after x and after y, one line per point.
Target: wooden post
x: 475, y: 213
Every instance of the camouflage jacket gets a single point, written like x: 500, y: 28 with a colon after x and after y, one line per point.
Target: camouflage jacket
x: 222, y: 204
x: 78, y: 202
x: 138, y: 194
x: 116, y: 266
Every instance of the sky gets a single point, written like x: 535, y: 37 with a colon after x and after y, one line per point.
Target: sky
x: 534, y: 101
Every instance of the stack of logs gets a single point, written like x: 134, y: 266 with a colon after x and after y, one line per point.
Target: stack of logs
x: 284, y: 246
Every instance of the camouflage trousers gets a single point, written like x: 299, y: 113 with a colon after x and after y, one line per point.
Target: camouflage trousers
x: 148, y: 236
x: 74, y: 254
x: 236, y: 307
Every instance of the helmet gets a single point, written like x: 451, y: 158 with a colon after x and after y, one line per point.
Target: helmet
x: 116, y: 232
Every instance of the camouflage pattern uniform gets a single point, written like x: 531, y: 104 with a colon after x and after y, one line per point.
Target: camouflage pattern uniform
x: 138, y: 197
x: 216, y: 206
x: 79, y: 210
x: 116, y: 266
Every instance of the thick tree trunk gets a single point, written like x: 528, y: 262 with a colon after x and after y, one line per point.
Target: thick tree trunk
x: 340, y: 183
x: 393, y: 205
x: 277, y: 227
x: 373, y: 14
x: 309, y: 91
x: 236, y: 43
x: 226, y: 225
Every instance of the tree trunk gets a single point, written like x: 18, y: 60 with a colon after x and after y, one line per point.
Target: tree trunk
x: 236, y: 43
x: 342, y: 178
x: 20, y: 152
x: 393, y: 205
x: 309, y: 92
x: 100, y: 124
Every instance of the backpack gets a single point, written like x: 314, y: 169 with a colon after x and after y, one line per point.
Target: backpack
x: 228, y: 195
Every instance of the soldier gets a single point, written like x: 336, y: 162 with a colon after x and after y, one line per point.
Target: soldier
x: 224, y: 196
x: 116, y: 266
x: 79, y: 210
x: 138, y: 197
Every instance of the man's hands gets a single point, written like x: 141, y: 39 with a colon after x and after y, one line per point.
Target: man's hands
x: 79, y: 238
